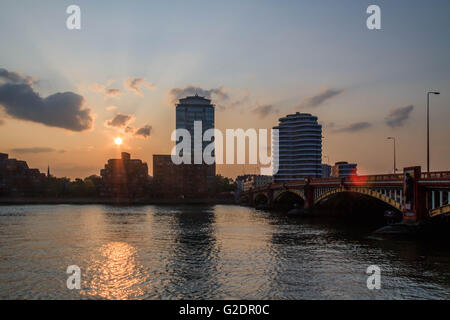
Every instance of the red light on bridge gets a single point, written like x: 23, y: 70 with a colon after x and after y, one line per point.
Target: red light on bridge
x: 358, y: 179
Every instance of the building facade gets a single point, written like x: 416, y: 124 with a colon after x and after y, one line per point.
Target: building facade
x: 18, y: 180
x: 166, y: 176
x: 183, y: 180
x: 196, y: 178
x: 299, y: 147
x: 343, y: 169
x: 250, y: 181
x: 125, y: 177
x: 326, y: 171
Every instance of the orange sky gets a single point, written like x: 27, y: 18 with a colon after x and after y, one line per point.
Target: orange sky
x: 258, y: 63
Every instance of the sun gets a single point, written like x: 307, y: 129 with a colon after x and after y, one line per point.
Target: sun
x: 118, y: 141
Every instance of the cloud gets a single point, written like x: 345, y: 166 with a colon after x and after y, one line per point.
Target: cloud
x: 111, y: 107
x: 216, y: 93
x: 144, y: 131
x: 120, y: 120
x: 65, y: 110
x: 397, y: 117
x: 36, y: 150
x: 16, y: 77
x: 109, y: 93
x: 319, y: 98
x: 264, y: 111
x: 357, y: 126
x: 238, y: 102
x: 135, y: 84
x: 2, y: 122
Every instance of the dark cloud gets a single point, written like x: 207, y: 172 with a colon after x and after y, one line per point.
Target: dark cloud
x: 144, y: 131
x: 63, y: 110
x: 36, y: 150
x: 111, y: 93
x: 319, y: 98
x: 398, y: 116
x: 16, y: 77
x: 120, y: 120
x: 264, y: 111
x: 357, y: 126
x: 216, y: 93
x: 135, y: 84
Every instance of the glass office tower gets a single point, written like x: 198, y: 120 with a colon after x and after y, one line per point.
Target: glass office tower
x: 198, y: 178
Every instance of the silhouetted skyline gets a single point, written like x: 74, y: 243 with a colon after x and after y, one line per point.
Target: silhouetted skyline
x: 120, y: 75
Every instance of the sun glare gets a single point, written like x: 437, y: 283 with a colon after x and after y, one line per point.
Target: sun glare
x: 118, y: 141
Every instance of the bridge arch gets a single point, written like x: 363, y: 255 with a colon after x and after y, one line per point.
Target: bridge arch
x: 360, y: 190
x: 286, y: 198
x: 277, y: 195
x: 261, y: 198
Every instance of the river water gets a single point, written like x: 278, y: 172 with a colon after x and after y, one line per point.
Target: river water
x: 206, y: 252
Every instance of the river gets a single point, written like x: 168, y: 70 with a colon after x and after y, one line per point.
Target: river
x: 206, y: 252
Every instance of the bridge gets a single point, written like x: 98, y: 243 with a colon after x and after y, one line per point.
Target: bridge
x: 417, y: 195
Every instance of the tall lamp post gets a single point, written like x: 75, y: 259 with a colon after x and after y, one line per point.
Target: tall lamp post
x: 395, y: 165
x: 428, y: 127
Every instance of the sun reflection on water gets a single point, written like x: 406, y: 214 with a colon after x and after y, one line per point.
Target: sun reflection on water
x: 115, y: 273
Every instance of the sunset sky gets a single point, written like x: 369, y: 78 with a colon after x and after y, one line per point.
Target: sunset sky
x: 257, y: 60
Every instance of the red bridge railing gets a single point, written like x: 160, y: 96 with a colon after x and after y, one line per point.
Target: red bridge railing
x: 439, y: 175
x: 393, y: 178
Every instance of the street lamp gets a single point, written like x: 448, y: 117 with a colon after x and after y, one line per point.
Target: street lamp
x: 428, y: 127
x: 395, y: 165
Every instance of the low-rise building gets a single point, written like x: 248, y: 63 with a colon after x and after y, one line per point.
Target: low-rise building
x: 343, y: 169
x: 17, y: 180
x: 247, y: 182
x: 125, y: 177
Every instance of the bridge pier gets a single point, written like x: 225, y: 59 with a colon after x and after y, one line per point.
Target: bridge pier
x: 415, y: 205
x: 309, y: 194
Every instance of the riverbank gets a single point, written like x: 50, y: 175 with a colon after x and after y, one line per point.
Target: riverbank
x: 116, y: 201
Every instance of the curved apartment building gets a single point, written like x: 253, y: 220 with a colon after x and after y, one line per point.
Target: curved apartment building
x: 299, y: 147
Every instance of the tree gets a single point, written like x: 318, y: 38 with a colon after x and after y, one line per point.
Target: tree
x: 224, y: 184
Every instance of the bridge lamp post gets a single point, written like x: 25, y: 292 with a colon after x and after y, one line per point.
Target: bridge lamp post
x: 395, y: 165
x: 428, y: 127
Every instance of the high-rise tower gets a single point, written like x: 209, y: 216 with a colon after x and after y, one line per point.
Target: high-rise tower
x: 199, y: 178
x: 299, y: 147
